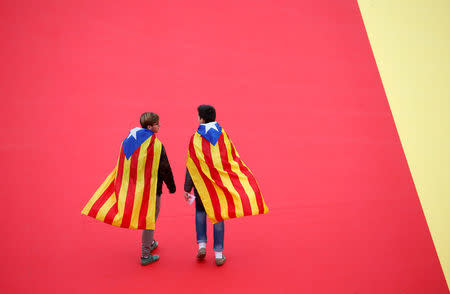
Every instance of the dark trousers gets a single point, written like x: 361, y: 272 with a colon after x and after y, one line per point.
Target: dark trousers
x: 147, y: 235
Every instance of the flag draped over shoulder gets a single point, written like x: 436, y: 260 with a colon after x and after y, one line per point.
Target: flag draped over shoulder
x: 127, y: 198
x: 225, y: 184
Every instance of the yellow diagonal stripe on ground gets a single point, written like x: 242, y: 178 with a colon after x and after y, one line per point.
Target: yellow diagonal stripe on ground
x: 411, y: 44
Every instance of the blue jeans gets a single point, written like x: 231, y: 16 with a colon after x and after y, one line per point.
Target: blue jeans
x: 200, y: 226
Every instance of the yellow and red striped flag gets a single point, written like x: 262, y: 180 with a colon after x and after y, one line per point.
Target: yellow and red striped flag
x: 127, y: 198
x: 225, y: 184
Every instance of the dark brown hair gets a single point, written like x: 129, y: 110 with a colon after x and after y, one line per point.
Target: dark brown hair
x: 149, y: 119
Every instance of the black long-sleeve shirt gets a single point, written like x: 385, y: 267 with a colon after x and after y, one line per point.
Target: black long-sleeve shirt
x: 165, y: 174
x: 188, y: 183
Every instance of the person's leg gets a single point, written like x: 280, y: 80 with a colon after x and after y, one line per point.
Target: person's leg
x: 147, y: 240
x: 157, y: 206
x: 200, y: 227
x: 219, y: 233
x: 200, y: 221
x: 148, y: 243
x: 154, y: 243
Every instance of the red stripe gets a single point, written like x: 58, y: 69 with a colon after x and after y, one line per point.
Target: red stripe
x: 148, y: 181
x: 109, y: 218
x: 251, y: 179
x: 118, y: 182
x: 101, y: 200
x: 246, y: 207
x: 113, y: 211
x: 129, y: 203
x: 211, y: 191
x: 206, y: 147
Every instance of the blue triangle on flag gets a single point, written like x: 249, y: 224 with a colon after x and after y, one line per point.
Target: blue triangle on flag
x: 210, y: 131
x: 135, y: 138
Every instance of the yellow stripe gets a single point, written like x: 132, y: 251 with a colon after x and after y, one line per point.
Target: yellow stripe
x: 242, y: 178
x: 266, y: 209
x: 150, y: 218
x: 103, y: 211
x: 140, y: 183
x: 225, y: 177
x: 201, y: 158
x: 410, y: 43
x: 99, y: 192
x: 201, y: 187
x: 123, y: 192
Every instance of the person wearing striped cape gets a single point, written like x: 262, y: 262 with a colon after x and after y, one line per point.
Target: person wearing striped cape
x: 130, y: 195
x: 224, y: 187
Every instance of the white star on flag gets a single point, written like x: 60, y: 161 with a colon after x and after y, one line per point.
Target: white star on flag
x: 133, y: 132
x: 211, y: 125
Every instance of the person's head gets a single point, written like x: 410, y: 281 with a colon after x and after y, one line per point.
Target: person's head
x: 150, y: 120
x: 206, y: 114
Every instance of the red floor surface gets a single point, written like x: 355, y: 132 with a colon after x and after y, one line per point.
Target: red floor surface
x: 296, y: 87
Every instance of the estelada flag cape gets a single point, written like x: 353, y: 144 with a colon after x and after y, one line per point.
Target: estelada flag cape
x: 127, y: 198
x: 225, y: 184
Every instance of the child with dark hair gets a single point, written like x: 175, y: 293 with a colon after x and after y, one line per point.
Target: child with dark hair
x: 223, y: 185
x: 206, y: 113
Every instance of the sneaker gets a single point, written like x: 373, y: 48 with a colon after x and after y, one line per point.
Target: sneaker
x: 220, y: 261
x: 145, y: 260
x: 201, y: 253
x: 154, y: 245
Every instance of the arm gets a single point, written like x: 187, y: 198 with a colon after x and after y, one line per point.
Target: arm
x: 188, y: 184
x: 165, y: 172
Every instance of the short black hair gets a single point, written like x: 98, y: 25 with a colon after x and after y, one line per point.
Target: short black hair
x: 207, y: 112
